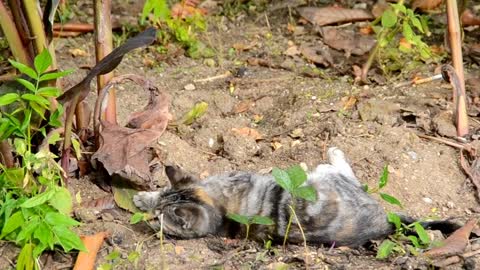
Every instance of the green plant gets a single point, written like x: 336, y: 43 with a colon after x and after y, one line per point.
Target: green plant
x: 400, y: 241
x: 182, y: 30
x: 250, y: 220
x: 116, y: 261
x: 34, y: 206
x: 292, y: 180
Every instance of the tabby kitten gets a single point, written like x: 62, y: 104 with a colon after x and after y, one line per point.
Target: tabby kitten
x: 343, y: 214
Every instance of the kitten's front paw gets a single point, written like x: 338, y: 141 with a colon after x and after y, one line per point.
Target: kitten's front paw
x: 335, y: 156
x: 145, y: 200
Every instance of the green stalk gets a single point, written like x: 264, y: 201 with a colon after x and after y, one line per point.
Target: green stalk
x: 248, y: 231
x: 35, y: 25
x: 13, y: 37
x: 289, y: 224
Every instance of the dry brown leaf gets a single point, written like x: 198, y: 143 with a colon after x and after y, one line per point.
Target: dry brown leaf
x: 77, y: 52
x: 186, y: 9
x: 349, y: 102
x: 124, y: 152
x: 455, y: 243
x: 379, y: 8
x: 468, y: 18
x: 425, y: 5
x: 103, y: 203
x: 155, y: 115
x: 316, y: 56
x: 276, y: 145
x: 240, y: 47
x: 347, y: 40
x: 330, y: 15
x: 243, y: 106
x: 292, y: 50
x: 250, y: 132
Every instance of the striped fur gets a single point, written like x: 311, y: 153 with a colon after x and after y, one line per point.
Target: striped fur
x: 343, y: 214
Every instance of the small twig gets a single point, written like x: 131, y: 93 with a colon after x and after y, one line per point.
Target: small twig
x: 417, y: 81
x: 467, y: 147
x: 213, y: 78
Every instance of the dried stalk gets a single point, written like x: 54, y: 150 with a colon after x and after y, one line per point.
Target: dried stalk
x: 455, y: 38
x: 19, y: 51
x: 103, y: 46
x: 6, y: 156
x: 461, y: 118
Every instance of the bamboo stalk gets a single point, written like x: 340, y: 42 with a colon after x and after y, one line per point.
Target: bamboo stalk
x: 103, y: 46
x: 21, y: 25
x: 457, y: 60
x: 13, y: 37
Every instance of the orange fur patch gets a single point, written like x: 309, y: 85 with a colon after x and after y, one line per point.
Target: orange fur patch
x: 204, y: 197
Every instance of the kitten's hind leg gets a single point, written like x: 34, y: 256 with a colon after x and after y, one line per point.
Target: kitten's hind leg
x: 337, y: 158
x: 146, y: 201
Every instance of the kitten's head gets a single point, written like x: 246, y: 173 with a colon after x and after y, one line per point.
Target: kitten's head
x: 188, y: 211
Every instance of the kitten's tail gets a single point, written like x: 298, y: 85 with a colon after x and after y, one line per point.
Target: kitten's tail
x: 446, y: 226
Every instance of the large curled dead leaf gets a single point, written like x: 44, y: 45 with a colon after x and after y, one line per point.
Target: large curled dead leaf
x: 125, y: 151
x: 455, y: 243
x: 330, y: 15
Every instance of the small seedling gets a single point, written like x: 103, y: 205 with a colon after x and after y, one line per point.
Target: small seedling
x: 196, y: 112
x: 381, y: 184
x: 292, y: 181
x: 250, y: 220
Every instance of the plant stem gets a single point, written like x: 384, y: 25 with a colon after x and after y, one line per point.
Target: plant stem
x: 13, y: 37
x: 6, y: 156
x: 303, y: 235
x: 103, y: 46
x: 248, y: 231
x: 35, y: 25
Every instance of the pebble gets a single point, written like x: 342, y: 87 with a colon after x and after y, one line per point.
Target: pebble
x: 189, y: 87
x: 413, y: 155
x: 450, y: 205
x: 427, y: 200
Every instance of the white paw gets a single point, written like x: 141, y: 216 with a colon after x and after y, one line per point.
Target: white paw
x: 145, y: 200
x: 335, y: 156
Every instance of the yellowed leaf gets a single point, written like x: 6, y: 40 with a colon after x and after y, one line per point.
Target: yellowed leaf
x: 250, y: 132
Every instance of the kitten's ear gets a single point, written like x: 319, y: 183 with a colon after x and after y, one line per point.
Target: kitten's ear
x: 178, y: 177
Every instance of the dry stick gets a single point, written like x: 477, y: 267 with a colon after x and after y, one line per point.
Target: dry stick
x: 461, y: 118
x: 466, y: 147
x: 418, y: 81
x: 86, y: 260
x: 103, y: 46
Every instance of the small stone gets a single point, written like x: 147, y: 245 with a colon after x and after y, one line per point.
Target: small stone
x: 413, y: 155
x: 450, y: 205
x: 189, y: 87
x: 427, y: 200
x: 211, y: 142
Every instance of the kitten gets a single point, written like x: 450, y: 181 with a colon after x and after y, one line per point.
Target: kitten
x: 343, y: 214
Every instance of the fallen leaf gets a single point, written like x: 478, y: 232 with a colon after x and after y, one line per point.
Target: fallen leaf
x: 347, y: 40
x: 240, y: 47
x: 366, y: 30
x: 77, y: 52
x: 468, y: 18
x: 243, y: 106
x: 379, y: 7
x: 316, y: 56
x: 196, y: 112
x: 257, y: 118
x: 330, y: 15
x: 123, y: 195
x: 349, y: 103
x: 425, y: 5
x: 186, y: 9
x: 455, y: 243
x: 292, y: 50
x: 124, y: 152
x: 102, y: 203
x: 250, y: 132
x: 276, y: 145
x: 179, y: 250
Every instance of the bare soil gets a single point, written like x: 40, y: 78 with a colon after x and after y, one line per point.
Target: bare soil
x: 300, y: 118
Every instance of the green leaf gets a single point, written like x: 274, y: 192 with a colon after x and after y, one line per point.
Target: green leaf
x: 365, y: 188
x: 76, y: 148
x: 38, y: 99
x: 422, y: 234
x: 27, y: 230
x: 383, y: 178
x: 44, y: 235
x: 27, y: 84
x: 42, y: 61
x: 133, y: 256
x: 24, y: 69
x: 385, y: 249
x: 68, y: 239
x: 137, y: 217
x: 414, y: 240
x: 54, y: 75
x: 400, y: 7
x: 307, y: 193
x: 62, y: 201
x: 54, y: 137
x: 113, y: 255
x: 390, y: 199
x: 48, y: 91
x: 58, y: 219
x: 25, y: 259
x: 262, y: 220
x: 407, y: 31
x: 38, y: 109
x: 14, y: 222
x: 38, y: 199
x: 196, y: 112
x: 282, y: 179
x: 394, y: 219
x: 389, y: 18
x: 9, y: 98
x: 123, y: 196
x: 297, y: 176
x: 239, y: 218
x: 416, y: 22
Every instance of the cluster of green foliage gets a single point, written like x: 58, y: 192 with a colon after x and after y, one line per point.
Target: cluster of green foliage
x: 116, y: 261
x: 182, y: 30
x: 402, y: 54
x: 399, y: 242
x: 35, y: 207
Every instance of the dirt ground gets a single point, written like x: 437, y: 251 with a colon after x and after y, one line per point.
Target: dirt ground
x: 300, y: 117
